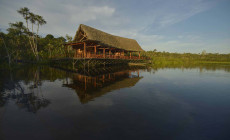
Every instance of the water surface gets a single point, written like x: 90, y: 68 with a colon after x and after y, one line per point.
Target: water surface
x: 115, y: 103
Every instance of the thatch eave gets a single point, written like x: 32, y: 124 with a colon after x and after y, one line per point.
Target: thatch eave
x: 89, y: 34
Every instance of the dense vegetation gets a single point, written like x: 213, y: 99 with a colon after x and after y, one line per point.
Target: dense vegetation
x: 166, y: 58
x: 24, y: 42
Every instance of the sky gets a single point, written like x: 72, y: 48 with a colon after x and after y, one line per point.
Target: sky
x: 165, y: 25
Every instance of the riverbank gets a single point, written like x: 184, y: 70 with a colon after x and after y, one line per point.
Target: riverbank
x: 166, y: 58
x: 152, y: 63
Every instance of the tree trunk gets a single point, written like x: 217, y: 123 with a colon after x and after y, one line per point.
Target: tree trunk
x: 49, y: 53
x: 29, y: 37
x: 34, y: 45
x: 37, y: 38
x: 8, y: 55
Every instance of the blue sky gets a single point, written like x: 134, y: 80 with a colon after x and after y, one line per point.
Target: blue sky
x: 165, y: 25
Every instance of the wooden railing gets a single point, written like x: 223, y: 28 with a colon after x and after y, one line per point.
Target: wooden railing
x: 107, y: 56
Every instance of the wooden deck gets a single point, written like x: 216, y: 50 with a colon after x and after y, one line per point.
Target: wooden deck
x: 96, y: 60
x: 109, y: 56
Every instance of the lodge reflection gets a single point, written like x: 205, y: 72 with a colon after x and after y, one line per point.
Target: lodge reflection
x: 89, y: 87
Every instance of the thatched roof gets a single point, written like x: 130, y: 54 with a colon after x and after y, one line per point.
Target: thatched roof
x: 92, y: 34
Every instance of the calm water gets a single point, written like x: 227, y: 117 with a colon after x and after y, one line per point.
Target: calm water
x: 116, y: 103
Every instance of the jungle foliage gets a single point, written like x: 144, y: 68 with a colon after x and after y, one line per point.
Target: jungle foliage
x: 166, y: 58
x: 23, y: 42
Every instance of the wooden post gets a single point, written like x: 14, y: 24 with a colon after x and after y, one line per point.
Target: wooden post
x: 95, y: 50
x: 84, y: 54
x: 103, y: 78
x: 109, y: 52
x: 130, y: 55
x: 104, y: 52
x: 85, y: 83
x: 139, y: 55
x: 75, y: 53
x: 95, y: 84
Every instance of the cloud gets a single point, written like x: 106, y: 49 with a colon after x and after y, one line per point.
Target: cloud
x: 197, y: 45
x: 62, y: 18
x: 75, y: 15
x: 85, y: 14
x: 142, y: 21
x: 175, y: 11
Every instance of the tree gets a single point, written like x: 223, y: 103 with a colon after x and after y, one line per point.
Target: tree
x: 49, y: 37
x: 34, y: 19
x: 69, y: 38
x: 203, y: 52
x: 40, y: 21
x: 7, y: 51
x: 16, y: 32
x: 18, y: 28
x: 26, y: 14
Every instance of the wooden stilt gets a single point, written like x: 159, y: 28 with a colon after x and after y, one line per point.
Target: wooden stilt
x: 85, y: 83
x: 109, y: 52
x: 139, y: 55
x: 130, y: 55
x: 123, y: 53
x: 75, y: 53
x: 84, y: 55
x: 104, y: 52
x: 95, y: 84
x: 95, y: 50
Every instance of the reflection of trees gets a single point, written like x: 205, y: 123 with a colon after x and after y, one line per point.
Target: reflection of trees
x: 27, y: 100
x: 13, y: 89
x: 209, y: 67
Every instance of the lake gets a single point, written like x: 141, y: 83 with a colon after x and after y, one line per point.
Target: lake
x: 179, y: 103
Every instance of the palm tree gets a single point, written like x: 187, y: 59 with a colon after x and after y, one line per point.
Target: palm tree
x: 25, y: 13
x: 18, y: 28
x: 40, y: 21
x: 32, y: 18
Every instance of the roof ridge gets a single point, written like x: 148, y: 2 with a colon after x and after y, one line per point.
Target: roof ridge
x: 105, y: 38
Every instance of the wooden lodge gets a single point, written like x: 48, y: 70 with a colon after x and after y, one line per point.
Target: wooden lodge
x: 92, y: 43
